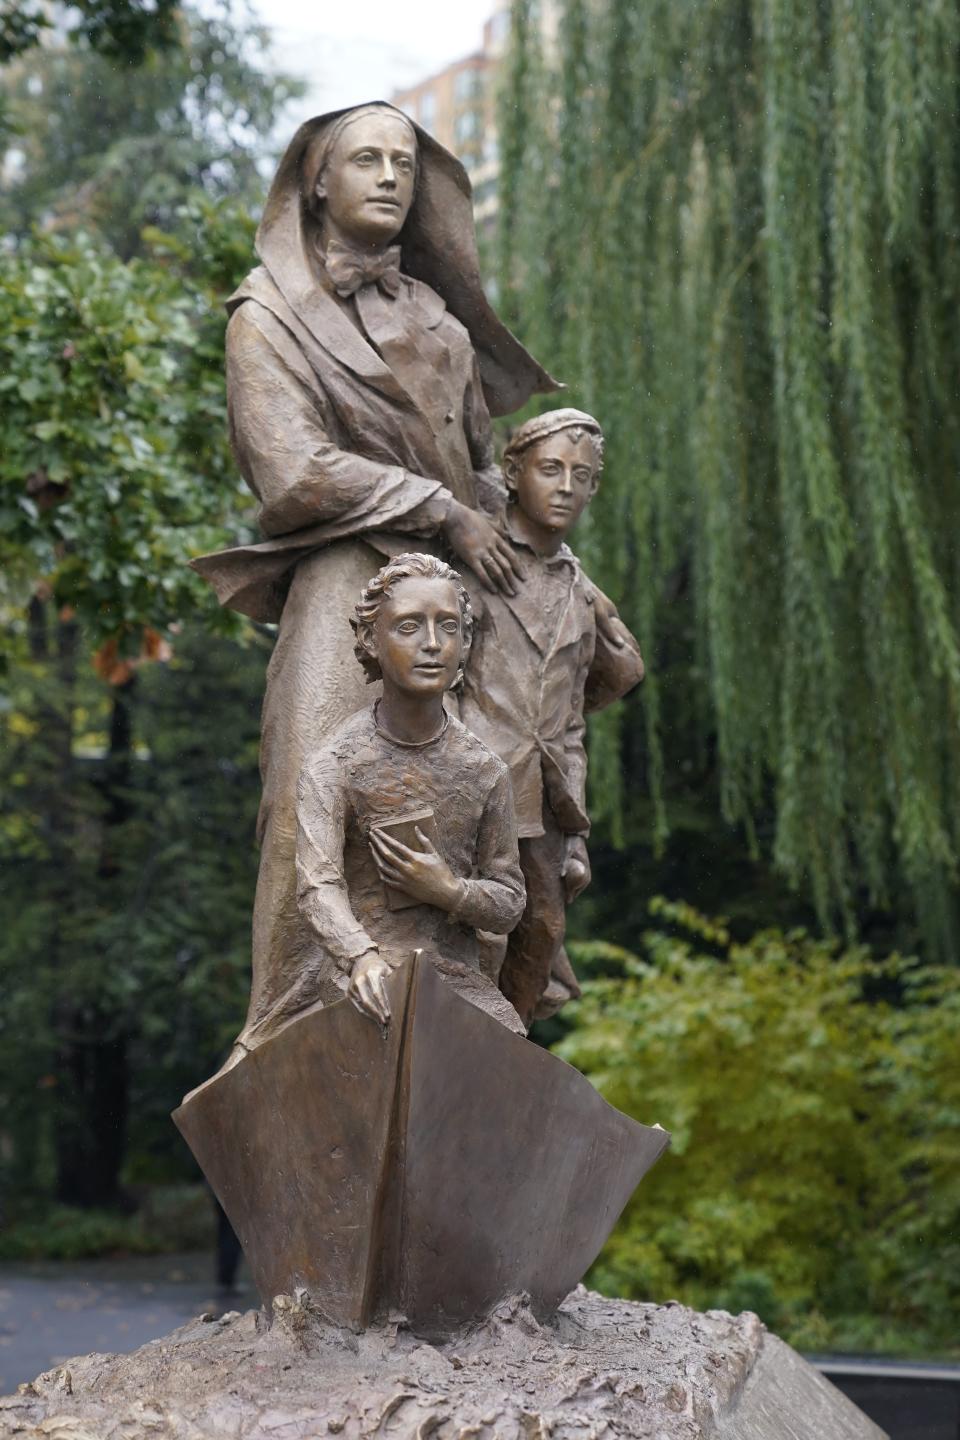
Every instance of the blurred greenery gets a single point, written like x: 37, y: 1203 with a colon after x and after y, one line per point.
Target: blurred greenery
x: 130, y: 212
x: 114, y: 151
x: 126, y: 30
x: 813, y: 1095
x: 123, y: 32
x: 114, y: 465
x: 168, y: 1219
x: 127, y: 846
x: 128, y: 763
x: 731, y: 229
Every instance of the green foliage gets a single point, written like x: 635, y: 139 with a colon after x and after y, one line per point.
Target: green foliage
x: 129, y: 788
x: 125, y: 908
x: 65, y: 1233
x: 734, y: 236
x: 125, y: 30
x: 114, y: 463
x: 113, y: 151
x: 114, y: 467
x: 171, y: 1218
x: 813, y: 1096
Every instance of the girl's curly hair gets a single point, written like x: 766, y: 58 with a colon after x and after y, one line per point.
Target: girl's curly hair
x: 373, y: 594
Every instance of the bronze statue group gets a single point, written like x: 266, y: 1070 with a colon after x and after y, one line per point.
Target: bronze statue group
x: 449, y: 816
x: 383, y: 1136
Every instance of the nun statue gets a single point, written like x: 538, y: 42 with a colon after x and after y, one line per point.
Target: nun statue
x: 363, y: 365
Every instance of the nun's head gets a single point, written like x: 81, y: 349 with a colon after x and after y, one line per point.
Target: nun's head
x: 360, y: 176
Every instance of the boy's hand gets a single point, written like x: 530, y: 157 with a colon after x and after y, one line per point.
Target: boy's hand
x: 366, y: 988
x: 611, y: 626
x: 480, y: 545
x: 423, y: 874
x: 576, y: 867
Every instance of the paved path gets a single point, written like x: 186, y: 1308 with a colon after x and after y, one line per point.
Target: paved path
x: 50, y: 1310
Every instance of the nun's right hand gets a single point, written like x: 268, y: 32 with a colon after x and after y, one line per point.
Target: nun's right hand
x: 480, y: 545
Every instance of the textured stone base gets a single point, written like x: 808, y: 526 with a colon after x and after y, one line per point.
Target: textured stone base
x: 599, y: 1368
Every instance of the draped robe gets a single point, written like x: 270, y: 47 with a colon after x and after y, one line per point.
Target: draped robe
x: 355, y: 422
x: 354, y: 433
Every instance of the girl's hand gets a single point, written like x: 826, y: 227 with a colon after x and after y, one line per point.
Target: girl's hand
x: 422, y: 874
x: 366, y: 988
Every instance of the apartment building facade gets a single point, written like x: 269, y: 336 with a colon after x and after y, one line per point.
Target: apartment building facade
x: 458, y: 106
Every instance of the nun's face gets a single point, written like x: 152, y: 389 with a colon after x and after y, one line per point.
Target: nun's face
x: 367, y: 184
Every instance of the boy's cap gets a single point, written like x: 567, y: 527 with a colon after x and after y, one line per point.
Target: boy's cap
x: 549, y: 423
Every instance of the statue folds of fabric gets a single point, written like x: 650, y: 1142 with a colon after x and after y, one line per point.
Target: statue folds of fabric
x: 407, y: 1151
x: 363, y: 364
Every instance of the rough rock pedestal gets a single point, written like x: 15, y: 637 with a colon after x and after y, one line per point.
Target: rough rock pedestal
x: 600, y: 1367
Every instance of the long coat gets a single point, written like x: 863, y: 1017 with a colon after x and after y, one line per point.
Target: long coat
x: 355, y: 423
x: 531, y: 710
x: 338, y: 440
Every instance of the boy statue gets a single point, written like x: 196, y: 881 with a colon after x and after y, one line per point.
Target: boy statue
x: 538, y: 662
x: 406, y: 838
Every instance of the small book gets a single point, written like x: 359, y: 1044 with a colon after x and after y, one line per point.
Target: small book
x: 404, y: 828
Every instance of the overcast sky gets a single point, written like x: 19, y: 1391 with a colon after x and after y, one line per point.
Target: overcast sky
x: 355, y: 50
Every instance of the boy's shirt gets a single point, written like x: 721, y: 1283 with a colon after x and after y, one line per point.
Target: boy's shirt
x: 364, y: 777
x: 533, y: 657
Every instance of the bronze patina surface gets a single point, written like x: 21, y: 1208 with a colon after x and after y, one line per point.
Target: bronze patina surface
x: 430, y: 1167
x: 404, y: 756
x: 383, y: 1135
x: 363, y: 362
x: 541, y: 658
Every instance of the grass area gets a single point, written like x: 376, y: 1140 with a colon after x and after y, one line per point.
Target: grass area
x: 867, y: 1335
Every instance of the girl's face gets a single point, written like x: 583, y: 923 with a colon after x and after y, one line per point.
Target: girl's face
x: 417, y: 637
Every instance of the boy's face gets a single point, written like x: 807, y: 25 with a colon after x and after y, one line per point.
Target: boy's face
x: 554, y: 480
x: 418, y: 636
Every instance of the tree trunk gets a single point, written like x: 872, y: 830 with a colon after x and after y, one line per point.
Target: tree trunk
x: 93, y: 1055
x: 91, y: 1133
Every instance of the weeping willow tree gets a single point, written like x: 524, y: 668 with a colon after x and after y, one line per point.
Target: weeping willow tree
x: 733, y: 228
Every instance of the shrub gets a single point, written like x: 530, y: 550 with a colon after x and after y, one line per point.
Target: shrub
x: 168, y: 1219
x: 813, y: 1095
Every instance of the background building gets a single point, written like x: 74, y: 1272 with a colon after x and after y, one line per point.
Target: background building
x: 458, y: 105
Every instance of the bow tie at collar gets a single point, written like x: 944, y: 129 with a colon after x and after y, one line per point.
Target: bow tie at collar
x: 349, y: 270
